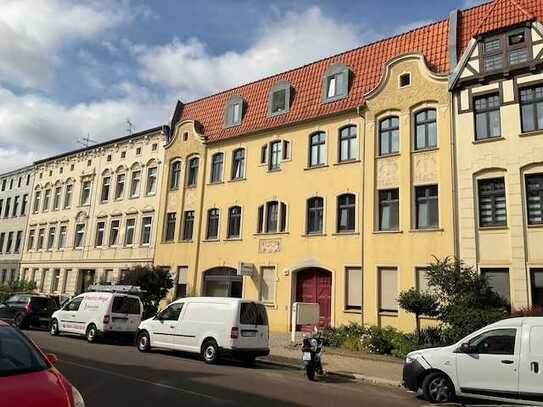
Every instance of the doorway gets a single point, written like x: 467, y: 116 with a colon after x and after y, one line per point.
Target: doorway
x: 314, y: 285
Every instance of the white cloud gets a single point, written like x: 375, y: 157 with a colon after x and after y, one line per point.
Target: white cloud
x: 34, y: 31
x: 472, y: 3
x: 287, y: 41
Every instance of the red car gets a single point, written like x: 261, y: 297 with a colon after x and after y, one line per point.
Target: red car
x: 28, y: 377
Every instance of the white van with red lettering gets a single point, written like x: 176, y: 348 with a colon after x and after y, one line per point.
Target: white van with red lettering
x: 98, y: 314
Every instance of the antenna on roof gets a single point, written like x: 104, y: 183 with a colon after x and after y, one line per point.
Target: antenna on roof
x: 86, y: 141
x: 129, y: 126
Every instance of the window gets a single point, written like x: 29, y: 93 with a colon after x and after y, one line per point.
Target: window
x: 175, y: 175
x: 389, y: 136
x: 492, y: 51
x: 426, y: 207
x: 494, y: 342
x: 272, y: 216
x: 61, y: 237
x: 146, y: 224
x: 30, y: 244
x: 57, y: 197
x: 129, y: 232
x: 192, y: 177
x: 264, y: 154
x: 151, y: 180
x: 114, y: 232
x: 348, y: 145
x: 74, y: 304
x: 18, y: 240
x: 487, y: 117
x: 279, y: 98
x: 212, y: 224
x: 2, y: 237
x: 108, y: 158
x: 181, y: 286
x: 99, y: 239
x: 234, y: 222
x: 138, y: 151
x: 405, y: 80
x: 123, y: 154
x: 534, y: 198
x: 68, y: 196
x: 238, y: 163
x: 86, y: 192
x: 492, y: 209
x: 317, y: 149
x: 55, y: 279
x: 23, y: 205
x: 537, y: 286
x: 268, y: 220
x: 335, y: 83
x: 9, y: 242
x: 170, y: 227
x: 234, y: 111
x: 51, y: 238
x: 172, y: 312
x: 268, y: 285
x: 41, y: 238
x: 531, y: 108
x: 79, y: 235
x: 388, y: 289
x: 4, y: 182
x: 106, y: 184
x: 15, y: 206
x: 119, y: 186
x: 498, y: 280
x: 37, y: 199
x: 389, y: 209
x: 7, y: 208
x: 315, y: 213
x: 216, y: 167
x: 275, y: 155
x: 188, y: 225
x: 136, y: 184
x: 505, y: 50
x: 353, y: 288
x: 346, y: 212
x: 425, y: 129
x: 154, y: 147
x: 422, y: 279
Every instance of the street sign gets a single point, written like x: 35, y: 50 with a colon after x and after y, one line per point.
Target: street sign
x: 246, y: 269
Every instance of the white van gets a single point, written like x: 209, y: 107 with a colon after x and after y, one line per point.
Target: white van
x: 500, y: 362
x: 210, y: 326
x: 95, y: 314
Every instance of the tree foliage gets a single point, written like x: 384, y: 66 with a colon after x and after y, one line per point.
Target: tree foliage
x: 419, y: 303
x: 17, y: 286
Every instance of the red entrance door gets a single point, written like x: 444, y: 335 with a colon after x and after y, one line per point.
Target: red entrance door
x: 315, y: 285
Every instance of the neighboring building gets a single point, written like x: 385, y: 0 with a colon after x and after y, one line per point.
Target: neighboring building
x: 272, y: 174
x: 15, y: 191
x: 93, y: 213
x: 498, y: 117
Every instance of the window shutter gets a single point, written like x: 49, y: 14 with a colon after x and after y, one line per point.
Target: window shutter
x: 354, y: 288
x: 388, y: 289
x: 286, y: 150
x: 263, y: 154
x: 260, y: 220
x: 283, y: 219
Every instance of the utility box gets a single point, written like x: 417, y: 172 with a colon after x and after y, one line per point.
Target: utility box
x: 304, y: 313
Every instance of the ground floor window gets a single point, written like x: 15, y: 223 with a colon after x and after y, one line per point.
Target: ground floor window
x: 181, y: 285
x: 537, y: 286
x: 422, y: 278
x: 498, y: 279
x: 268, y: 284
x: 388, y: 289
x: 353, y: 288
x: 223, y: 282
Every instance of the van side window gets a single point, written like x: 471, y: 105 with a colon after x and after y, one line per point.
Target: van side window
x: 125, y: 305
x: 495, y: 342
x: 253, y: 314
x: 74, y: 304
x: 171, y: 313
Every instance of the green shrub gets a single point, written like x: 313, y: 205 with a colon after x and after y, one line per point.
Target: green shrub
x: 13, y: 287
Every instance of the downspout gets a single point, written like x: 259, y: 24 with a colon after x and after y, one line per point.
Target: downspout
x: 200, y: 221
x: 362, y: 200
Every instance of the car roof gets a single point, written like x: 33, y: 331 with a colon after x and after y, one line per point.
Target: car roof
x: 224, y: 300
x: 518, y: 321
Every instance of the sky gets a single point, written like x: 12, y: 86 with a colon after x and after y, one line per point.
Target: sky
x: 74, y: 69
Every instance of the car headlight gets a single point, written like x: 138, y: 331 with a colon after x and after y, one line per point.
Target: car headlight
x: 410, y: 359
x: 78, y: 398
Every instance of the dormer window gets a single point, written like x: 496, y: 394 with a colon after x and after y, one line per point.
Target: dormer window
x: 279, y: 98
x: 335, y: 83
x: 505, y: 50
x: 234, y: 111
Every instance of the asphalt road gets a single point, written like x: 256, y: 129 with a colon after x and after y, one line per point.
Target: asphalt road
x: 115, y: 375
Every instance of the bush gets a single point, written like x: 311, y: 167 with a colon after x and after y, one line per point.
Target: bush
x: 13, y: 287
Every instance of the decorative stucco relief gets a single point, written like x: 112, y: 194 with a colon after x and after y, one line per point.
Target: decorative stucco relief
x: 388, y: 173
x: 190, y: 198
x: 269, y: 246
x: 425, y: 167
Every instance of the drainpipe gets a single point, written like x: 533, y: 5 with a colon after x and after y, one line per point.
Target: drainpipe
x: 200, y: 220
x: 362, y: 200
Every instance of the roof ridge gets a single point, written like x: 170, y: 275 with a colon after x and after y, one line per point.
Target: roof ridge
x: 442, y: 20
x: 493, y: 8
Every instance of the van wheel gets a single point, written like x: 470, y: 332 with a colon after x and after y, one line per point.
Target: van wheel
x: 54, y: 328
x: 210, y: 352
x: 437, y: 388
x: 92, y: 333
x: 143, y: 342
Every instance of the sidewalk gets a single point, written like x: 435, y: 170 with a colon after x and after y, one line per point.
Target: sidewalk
x: 356, y: 365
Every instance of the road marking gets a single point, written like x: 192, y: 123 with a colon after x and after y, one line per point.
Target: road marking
x: 166, y: 386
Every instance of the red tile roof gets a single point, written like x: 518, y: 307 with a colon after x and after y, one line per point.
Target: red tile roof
x: 366, y: 64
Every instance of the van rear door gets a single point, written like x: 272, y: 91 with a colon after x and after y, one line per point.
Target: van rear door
x: 125, y: 313
x: 531, y: 361
x: 253, y: 326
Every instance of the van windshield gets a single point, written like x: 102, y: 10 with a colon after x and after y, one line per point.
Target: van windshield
x: 125, y: 305
x: 253, y: 314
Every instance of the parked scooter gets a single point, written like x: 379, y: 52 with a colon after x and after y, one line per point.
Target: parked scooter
x: 312, y: 348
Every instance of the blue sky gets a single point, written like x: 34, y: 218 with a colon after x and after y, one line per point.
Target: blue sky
x: 72, y: 68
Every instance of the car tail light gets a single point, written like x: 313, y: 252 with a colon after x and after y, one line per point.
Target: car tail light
x: 106, y: 319
x: 234, y: 333
x: 28, y: 308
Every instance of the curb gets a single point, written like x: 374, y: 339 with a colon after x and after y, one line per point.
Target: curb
x: 352, y: 376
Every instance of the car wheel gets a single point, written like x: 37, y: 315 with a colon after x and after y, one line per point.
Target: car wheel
x: 143, y: 342
x: 54, y: 328
x: 20, y: 322
x: 437, y: 388
x: 92, y: 333
x: 210, y: 352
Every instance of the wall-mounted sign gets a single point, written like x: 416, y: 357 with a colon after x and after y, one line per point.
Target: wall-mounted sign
x: 246, y: 269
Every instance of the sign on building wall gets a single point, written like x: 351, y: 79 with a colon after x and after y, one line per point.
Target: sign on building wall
x: 246, y: 269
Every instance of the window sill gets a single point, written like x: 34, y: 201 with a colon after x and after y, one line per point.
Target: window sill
x: 538, y: 132
x: 315, y: 167
x: 274, y: 169
x: 426, y: 230
x: 349, y: 233
x: 487, y: 140
x: 210, y: 240
x: 345, y: 162
x: 186, y: 241
x: 388, y: 155
x: 314, y: 235
x: 386, y: 232
x: 192, y: 186
x: 388, y: 313
x: 491, y: 228
x: 333, y: 99
x: 215, y: 183
x: 238, y: 179
x: 352, y: 311
x: 535, y: 226
x: 264, y: 234
x: 424, y: 150
x: 270, y: 305
x: 233, y: 239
